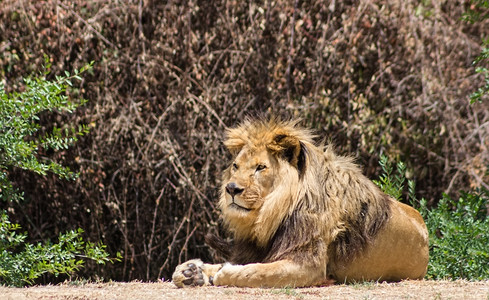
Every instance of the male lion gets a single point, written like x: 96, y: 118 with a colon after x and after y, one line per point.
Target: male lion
x: 301, y: 214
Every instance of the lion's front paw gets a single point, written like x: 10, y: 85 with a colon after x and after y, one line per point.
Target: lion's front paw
x: 190, y: 274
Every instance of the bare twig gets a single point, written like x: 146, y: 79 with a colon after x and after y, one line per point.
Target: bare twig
x: 171, y: 246
x: 88, y: 25
x: 150, y: 242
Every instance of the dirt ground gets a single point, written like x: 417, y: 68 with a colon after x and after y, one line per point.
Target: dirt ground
x: 164, y: 290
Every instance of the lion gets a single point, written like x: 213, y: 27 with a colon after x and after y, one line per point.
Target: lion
x: 301, y: 215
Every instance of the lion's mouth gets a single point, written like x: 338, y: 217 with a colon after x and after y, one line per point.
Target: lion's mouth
x: 239, y: 207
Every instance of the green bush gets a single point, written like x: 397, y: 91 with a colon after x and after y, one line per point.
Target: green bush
x: 459, y: 237
x: 458, y: 229
x: 21, y: 263
x: 392, y: 183
x: 21, y: 142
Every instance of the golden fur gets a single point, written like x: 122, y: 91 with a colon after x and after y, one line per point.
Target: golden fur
x: 300, y: 214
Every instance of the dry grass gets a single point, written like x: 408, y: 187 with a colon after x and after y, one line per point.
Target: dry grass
x: 164, y: 290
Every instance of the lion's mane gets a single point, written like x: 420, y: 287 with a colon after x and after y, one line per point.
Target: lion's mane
x: 323, y: 202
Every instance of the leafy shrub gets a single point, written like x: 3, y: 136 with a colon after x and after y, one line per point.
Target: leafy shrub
x: 19, y: 116
x: 392, y: 184
x: 20, y: 144
x: 458, y: 229
x: 459, y: 237
x: 21, y: 263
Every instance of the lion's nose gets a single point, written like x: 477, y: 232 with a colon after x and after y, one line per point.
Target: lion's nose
x: 233, y: 189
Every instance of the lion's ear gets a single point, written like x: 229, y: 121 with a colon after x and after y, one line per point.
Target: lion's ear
x: 290, y: 148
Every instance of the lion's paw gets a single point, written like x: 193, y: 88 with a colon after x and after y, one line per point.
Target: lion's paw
x: 190, y: 274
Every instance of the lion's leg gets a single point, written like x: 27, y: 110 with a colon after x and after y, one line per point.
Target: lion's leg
x: 283, y: 273
x: 194, y: 273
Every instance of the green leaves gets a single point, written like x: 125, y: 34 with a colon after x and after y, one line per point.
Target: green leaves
x: 484, y: 89
x: 477, y: 11
x: 459, y: 237
x: 62, y: 139
x: 20, y: 145
x: 20, y: 137
x: 21, y: 264
x: 390, y: 182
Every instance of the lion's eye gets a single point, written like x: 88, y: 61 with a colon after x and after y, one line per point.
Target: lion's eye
x: 235, y: 166
x: 261, y: 167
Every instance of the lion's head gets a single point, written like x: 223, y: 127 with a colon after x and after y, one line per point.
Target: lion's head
x: 260, y: 186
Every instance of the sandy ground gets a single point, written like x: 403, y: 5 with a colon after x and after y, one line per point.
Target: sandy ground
x: 165, y: 290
